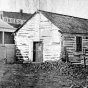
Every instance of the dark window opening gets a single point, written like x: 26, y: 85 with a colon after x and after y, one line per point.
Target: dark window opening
x: 86, y: 37
x: 34, y: 53
x: 0, y: 37
x: 8, y: 38
x: 78, y: 43
x: 37, y: 51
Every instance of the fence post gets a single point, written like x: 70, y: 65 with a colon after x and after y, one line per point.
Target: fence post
x: 84, y: 57
x: 84, y: 53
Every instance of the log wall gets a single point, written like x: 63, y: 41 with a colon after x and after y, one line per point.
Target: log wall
x: 69, y: 41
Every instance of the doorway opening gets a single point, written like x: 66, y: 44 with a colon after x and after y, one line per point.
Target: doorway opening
x: 37, y: 51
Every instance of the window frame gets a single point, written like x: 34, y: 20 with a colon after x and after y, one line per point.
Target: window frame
x: 10, y: 41
x: 79, y: 44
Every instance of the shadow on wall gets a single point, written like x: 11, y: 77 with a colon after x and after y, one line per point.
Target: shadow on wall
x: 64, y: 55
x: 21, y: 57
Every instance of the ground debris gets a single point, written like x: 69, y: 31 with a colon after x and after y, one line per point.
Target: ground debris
x: 43, y: 75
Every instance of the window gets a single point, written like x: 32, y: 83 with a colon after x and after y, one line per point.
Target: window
x: 78, y: 43
x: 8, y: 38
x: 0, y: 37
x: 86, y: 38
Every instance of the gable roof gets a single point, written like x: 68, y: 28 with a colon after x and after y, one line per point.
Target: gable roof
x: 25, y: 22
x: 5, y: 25
x: 66, y: 24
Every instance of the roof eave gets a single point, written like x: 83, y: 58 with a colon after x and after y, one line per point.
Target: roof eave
x: 25, y: 22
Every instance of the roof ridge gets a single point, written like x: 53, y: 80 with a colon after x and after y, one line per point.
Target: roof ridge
x: 62, y: 14
x: 15, y: 12
x: 64, y: 22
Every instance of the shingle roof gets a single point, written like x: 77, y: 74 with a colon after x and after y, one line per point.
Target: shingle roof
x: 66, y: 24
x: 16, y: 15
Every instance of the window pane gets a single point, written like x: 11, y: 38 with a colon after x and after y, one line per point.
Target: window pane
x: 79, y: 47
x: 0, y: 37
x: 78, y: 39
x: 8, y: 38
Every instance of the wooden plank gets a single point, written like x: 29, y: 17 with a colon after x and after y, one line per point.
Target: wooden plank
x: 10, y: 52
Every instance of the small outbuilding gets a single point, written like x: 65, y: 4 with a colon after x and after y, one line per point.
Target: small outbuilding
x: 7, y: 46
x: 44, y: 34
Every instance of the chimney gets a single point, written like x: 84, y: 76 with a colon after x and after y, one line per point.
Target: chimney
x: 21, y: 11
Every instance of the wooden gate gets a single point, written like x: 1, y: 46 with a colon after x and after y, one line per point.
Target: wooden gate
x: 7, y: 52
x: 7, y: 47
x: 10, y: 53
x: 37, y: 51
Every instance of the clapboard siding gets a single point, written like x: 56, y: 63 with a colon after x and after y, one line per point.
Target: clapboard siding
x: 39, y: 28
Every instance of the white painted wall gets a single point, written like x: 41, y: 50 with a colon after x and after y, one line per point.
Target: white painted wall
x: 39, y: 28
x: 51, y: 39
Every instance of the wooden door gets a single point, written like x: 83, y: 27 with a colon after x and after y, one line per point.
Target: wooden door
x: 37, y: 52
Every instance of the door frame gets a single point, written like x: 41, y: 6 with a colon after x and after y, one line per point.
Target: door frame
x: 34, y: 51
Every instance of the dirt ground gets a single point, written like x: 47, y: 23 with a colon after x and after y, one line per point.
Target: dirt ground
x: 40, y: 75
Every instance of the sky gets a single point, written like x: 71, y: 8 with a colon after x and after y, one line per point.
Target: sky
x: 77, y: 8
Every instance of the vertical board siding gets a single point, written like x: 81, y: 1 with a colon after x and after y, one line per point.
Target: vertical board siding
x: 10, y: 52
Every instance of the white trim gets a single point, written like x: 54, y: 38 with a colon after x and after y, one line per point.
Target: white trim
x: 7, y: 30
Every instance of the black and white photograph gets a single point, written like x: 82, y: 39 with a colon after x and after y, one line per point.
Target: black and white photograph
x: 43, y: 43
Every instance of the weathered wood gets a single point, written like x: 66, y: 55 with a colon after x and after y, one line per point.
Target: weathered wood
x: 69, y: 41
x: 39, y: 28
